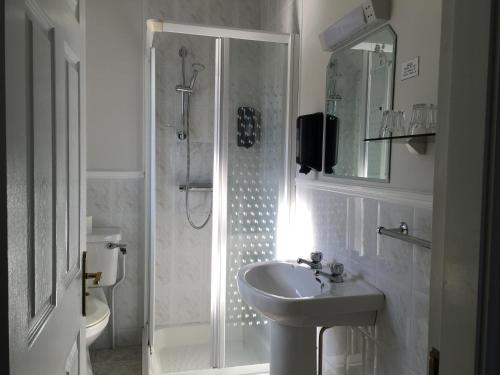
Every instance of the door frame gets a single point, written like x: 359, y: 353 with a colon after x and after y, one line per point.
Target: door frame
x: 488, y: 337
x: 460, y: 221
x: 222, y: 37
x: 4, y: 278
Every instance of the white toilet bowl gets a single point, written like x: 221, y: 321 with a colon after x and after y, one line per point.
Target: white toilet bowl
x: 96, y: 320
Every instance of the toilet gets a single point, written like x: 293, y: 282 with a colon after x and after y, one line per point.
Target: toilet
x: 96, y: 320
x: 99, y: 259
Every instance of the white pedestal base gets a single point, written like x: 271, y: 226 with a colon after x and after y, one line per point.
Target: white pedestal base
x: 293, y: 350
x: 89, y: 364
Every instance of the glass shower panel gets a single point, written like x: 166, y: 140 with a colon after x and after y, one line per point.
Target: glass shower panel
x: 183, y: 254
x: 256, y: 118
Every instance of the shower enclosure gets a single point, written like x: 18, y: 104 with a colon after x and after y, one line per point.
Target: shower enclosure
x: 219, y: 144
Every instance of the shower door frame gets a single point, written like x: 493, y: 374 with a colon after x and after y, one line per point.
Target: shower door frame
x: 222, y: 37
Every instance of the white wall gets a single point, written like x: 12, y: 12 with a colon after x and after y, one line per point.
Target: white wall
x: 114, y: 85
x: 417, y: 25
x: 114, y: 144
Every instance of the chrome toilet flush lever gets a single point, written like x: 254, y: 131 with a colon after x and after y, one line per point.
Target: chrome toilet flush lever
x: 336, y: 274
x: 315, y: 262
x: 121, y: 246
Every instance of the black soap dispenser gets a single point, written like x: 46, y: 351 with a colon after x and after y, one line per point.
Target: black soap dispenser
x: 309, y: 142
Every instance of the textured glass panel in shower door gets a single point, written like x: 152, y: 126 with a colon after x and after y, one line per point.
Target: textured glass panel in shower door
x: 257, y: 83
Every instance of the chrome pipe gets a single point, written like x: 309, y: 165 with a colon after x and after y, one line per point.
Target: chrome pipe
x: 113, y: 335
x: 320, y: 349
x: 401, y: 234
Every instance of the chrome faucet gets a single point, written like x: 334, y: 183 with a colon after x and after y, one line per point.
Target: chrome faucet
x: 336, y: 274
x: 315, y: 262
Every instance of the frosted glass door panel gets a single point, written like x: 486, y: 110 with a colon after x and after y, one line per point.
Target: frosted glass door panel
x: 256, y: 118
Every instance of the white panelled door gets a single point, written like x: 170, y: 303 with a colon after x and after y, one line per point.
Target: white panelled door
x: 45, y: 184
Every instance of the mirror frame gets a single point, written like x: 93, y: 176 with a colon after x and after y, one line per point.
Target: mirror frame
x: 348, y: 45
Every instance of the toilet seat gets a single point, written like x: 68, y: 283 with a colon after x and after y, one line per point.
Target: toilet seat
x: 97, y: 311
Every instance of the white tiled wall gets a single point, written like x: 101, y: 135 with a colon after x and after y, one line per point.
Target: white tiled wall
x: 183, y: 253
x: 344, y: 229
x: 119, y: 203
x: 272, y: 15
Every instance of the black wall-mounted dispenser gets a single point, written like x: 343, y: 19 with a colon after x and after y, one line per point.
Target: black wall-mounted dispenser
x: 309, y: 142
x: 331, y: 143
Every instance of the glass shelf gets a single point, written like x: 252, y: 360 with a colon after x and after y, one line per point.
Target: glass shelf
x: 403, y: 137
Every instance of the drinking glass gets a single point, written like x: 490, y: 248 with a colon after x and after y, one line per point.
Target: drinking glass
x: 423, y: 119
x: 392, y: 124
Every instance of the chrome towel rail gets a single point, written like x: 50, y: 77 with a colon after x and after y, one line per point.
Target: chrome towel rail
x: 401, y: 233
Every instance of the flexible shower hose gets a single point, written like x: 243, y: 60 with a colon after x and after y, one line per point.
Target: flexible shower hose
x: 188, y: 171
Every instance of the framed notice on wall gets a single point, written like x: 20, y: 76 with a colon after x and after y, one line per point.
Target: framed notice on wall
x: 409, y: 69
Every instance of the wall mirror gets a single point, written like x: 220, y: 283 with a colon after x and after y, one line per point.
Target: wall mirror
x: 359, y: 88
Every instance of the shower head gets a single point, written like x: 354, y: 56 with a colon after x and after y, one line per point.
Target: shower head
x: 197, y: 67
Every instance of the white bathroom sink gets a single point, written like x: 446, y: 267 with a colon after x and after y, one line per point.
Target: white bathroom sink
x: 292, y: 295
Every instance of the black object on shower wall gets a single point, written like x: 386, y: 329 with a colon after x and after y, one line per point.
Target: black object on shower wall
x: 248, y: 126
x: 331, y: 142
x: 309, y: 142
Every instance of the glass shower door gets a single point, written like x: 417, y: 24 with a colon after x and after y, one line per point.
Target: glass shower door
x: 248, y: 88
x: 255, y: 116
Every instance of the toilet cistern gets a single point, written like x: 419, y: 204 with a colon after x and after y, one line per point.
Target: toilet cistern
x: 101, y: 265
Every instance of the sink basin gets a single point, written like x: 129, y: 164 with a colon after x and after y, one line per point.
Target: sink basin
x: 297, y: 302
x: 292, y: 295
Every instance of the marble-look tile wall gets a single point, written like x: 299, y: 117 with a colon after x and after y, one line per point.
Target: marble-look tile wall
x: 280, y: 15
x: 270, y: 15
x: 343, y: 228
x: 119, y: 203
x: 231, y: 13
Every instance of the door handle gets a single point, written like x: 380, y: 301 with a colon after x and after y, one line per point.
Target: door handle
x: 95, y: 275
x: 87, y: 276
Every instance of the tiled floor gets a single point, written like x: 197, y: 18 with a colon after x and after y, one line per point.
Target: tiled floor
x: 121, y: 361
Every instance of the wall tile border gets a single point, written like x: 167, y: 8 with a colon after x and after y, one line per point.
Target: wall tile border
x: 389, y: 195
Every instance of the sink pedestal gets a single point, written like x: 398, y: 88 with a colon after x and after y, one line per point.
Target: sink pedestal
x: 293, y: 350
